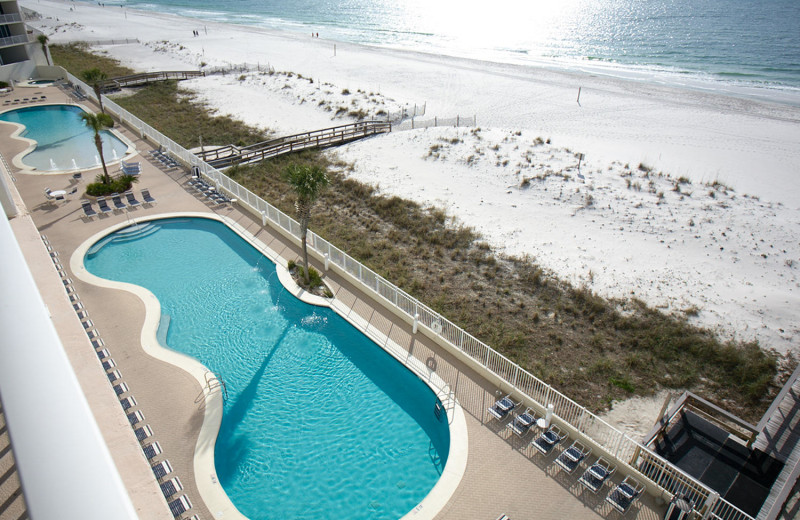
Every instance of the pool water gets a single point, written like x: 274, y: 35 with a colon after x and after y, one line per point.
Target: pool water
x: 320, y: 422
x: 63, y: 142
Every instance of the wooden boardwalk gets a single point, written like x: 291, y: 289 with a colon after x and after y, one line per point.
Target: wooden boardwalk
x: 779, y: 433
x: 229, y: 155
x: 135, y: 80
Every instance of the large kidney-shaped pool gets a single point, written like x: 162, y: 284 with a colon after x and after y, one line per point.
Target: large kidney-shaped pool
x: 320, y: 422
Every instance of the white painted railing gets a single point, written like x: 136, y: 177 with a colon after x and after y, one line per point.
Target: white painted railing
x: 663, y: 475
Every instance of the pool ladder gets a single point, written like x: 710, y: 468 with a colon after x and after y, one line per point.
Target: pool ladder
x: 213, y: 382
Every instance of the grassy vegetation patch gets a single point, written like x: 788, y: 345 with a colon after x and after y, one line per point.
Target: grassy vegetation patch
x: 593, y: 349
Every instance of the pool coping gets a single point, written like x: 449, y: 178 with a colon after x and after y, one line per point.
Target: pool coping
x: 29, y: 170
x: 207, y: 482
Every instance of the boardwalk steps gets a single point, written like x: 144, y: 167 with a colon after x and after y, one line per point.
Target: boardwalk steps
x: 226, y: 156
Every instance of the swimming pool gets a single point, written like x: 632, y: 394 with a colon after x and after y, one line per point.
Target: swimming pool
x: 320, y: 422
x: 63, y: 142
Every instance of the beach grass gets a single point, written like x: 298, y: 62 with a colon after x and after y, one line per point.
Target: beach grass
x: 593, y: 349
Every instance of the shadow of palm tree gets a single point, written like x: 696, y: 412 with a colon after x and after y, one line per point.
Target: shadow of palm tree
x: 233, y: 446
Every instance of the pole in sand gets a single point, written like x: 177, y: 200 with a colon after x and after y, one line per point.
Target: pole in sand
x: 579, y: 96
x: 580, y: 158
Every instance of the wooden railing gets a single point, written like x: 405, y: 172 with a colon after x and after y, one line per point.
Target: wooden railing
x: 147, y: 77
x: 230, y: 155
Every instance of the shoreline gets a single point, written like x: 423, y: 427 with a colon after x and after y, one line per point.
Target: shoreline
x: 686, y: 77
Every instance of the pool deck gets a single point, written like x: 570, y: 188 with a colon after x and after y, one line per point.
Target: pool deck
x: 503, y: 474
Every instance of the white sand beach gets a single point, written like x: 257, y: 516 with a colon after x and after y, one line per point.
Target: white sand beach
x: 686, y: 199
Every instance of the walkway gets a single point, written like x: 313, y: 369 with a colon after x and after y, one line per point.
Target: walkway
x: 503, y: 475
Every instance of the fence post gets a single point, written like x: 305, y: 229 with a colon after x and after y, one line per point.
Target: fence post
x: 327, y: 261
x: 711, y: 501
x: 416, y: 324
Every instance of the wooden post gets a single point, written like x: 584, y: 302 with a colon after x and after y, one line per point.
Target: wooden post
x: 579, y: 96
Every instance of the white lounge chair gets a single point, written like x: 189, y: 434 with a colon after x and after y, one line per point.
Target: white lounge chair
x: 570, y: 458
x: 596, y: 476
x: 523, y: 422
x: 625, y: 494
x: 549, y: 440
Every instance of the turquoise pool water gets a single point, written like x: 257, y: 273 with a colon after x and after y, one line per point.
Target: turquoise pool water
x: 320, y: 422
x: 62, y: 140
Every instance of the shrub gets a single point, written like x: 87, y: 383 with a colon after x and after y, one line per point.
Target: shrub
x: 118, y: 185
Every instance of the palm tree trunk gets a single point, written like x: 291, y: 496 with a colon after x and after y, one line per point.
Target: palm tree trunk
x: 99, y: 97
x: 99, y: 144
x: 306, y: 276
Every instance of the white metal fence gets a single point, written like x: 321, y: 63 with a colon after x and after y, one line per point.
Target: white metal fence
x: 629, y: 453
x: 438, y: 121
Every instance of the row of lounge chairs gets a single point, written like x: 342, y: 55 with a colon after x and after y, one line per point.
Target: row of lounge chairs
x: 164, y: 159
x: 116, y: 200
x: 208, y: 191
x: 621, y: 497
x: 21, y: 101
x: 169, y: 483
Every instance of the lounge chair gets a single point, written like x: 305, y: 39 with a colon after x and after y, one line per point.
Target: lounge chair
x: 87, y: 209
x: 570, y: 458
x: 103, y: 205
x: 102, y: 354
x: 132, y: 202
x: 128, y: 402
x: 114, y: 376
x: 135, y: 417
x: 118, y: 204
x: 171, y: 487
x: 625, y: 494
x: 596, y: 476
x: 109, y: 364
x: 502, y: 408
x: 549, y: 440
x: 143, y: 433
x: 523, y: 422
x: 162, y: 469
x: 146, y: 197
x: 152, y: 451
x: 179, y: 506
x: 121, y: 388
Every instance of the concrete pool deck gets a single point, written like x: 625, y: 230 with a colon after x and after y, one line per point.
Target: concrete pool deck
x: 503, y: 474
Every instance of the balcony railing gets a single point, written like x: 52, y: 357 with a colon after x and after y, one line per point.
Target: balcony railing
x: 14, y: 40
x: 10, y: 18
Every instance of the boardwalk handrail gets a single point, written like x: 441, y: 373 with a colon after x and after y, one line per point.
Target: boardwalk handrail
x: 231, y: 154
x: 661, y: 475
x: 147, y: 77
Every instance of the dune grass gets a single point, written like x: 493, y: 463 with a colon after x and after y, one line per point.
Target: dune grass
x: 595, y: 350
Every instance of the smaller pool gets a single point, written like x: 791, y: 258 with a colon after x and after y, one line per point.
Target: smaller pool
x: 63, y: 142
x: 40, y: 82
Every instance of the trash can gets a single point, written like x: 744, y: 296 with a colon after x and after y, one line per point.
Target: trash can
x: 679, y: 508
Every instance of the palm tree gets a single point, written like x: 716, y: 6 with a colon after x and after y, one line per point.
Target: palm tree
x: 308, y: 182
x: 43, y: 39
x: 95, y: 77
x: 99, y: 122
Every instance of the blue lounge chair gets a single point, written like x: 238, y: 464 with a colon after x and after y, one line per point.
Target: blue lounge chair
x: 152, y: 451
x: 596, y: 476
x: 117, y: 200
x: 179, y: 506
x: 502, y: 408
x: 132, y: 202
x: 162, y: 469
x: 523, y: 422
x: 570, y: 458
x: 146, y: 197
x: 549, y: 440
x: 625, y: 494
x: 88, y: 210
x: 103, y: 205
x: 171, y: 487
x: 143, y: 433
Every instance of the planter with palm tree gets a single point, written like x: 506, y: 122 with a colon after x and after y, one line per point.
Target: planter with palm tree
x: 307, y: 182
x: 95, y: 77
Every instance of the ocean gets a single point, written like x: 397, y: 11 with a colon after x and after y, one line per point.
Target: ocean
x: 750, y: 45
